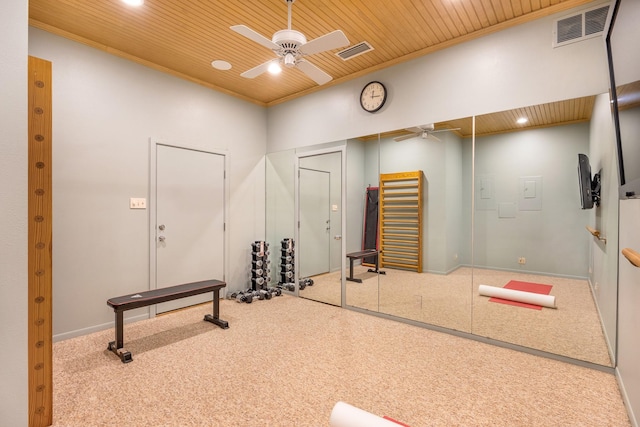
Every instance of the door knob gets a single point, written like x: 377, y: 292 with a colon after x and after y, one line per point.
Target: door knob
x: 161, y: 227
x: 161, y: 238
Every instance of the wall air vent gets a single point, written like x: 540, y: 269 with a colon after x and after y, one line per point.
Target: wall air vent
x: 580, y: 26
x: 355, y: 50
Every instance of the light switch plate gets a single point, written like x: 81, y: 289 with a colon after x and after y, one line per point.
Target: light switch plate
x: 137, y: 203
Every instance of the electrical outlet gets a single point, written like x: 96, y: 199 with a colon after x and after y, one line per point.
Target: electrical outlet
x: 522, y: 260
x: 137, y: 203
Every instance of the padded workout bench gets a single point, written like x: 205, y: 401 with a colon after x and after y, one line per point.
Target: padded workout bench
x: 156, y: 296
x: 360, y: 255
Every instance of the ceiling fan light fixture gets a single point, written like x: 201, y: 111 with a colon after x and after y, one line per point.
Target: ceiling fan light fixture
x: 289, y: 60
x: 133, y: 2
x: 274, y: 68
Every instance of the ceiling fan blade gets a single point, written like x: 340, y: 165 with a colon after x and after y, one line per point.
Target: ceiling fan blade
x: 315, y: 73
x: 444, y: 130
x: 433, y: 137
x: 256, y: 71
x: 404, y: 137
x: 416, y: 130
x: 256, y: 37
x: 333, y: 40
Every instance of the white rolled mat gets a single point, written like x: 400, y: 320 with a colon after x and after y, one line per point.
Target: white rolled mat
x: 519, y: 296
x: 345, y: 415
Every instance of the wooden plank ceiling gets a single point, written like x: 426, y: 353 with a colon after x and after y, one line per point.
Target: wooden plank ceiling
x: 182, y: 37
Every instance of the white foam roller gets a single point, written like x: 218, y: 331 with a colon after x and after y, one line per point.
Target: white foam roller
x: 519, y: 296
x: 345, y: 415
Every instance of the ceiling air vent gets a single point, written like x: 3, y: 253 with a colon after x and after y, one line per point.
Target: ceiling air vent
x: 355, y: 50
x: 581, y: 26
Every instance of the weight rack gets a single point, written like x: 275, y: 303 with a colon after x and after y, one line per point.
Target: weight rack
x: 260, y: 265
x: 287, y: 264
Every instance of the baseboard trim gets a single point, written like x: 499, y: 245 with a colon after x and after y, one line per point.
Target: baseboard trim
x: 625, y: 399
x: 96, y: 328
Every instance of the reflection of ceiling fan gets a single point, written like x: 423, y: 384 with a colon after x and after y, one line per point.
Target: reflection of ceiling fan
x: 423, y: 131
x: 291, y: 47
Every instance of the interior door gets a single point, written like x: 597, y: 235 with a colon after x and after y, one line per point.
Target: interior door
x: 315, y: 227
x: 189, y: 220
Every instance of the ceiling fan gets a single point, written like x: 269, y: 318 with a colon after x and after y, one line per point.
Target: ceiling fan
x: 291, y: 47
x: 424, y: 132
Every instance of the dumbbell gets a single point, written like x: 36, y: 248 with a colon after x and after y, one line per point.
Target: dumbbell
x: 243, y: 297
x: 287, y: 286
x: 260, y: 263
x: 275, y: 291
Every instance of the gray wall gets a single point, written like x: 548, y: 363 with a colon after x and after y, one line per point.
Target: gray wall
x: 629, y: 276
x: 552, y: 238
x: 105, y: 111
x: 603, y: 259
x: 13, y: 212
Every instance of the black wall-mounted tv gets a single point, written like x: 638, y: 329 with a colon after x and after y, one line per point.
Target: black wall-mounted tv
x: 589, y: 186
x: 624, y: 90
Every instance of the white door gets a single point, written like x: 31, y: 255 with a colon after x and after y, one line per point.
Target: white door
x: 189, y: 220
x: 315, y: 228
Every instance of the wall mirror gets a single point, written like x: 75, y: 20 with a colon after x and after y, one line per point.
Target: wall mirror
x: 499, y: 207
x: 529, y: 230
x: 319, y: 241
x: 424, y: 232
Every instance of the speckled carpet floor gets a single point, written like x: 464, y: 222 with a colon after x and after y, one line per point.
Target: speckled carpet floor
x: 287, y: 361
x: 452, y: 301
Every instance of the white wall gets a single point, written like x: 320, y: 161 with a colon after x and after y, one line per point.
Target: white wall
x: 105, y: 109
x: 13, y: 212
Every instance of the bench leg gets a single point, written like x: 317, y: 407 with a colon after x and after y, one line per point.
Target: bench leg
x: 351, y: 278
x: 116, y: 346
x: 215, y: 318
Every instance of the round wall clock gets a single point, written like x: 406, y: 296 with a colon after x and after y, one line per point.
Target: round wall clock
x: 373, y: 96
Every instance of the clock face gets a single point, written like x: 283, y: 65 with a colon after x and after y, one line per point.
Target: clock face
x: 373, y: 96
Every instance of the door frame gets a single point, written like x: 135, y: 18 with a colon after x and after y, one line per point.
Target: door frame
x: 152, y: 210
x: 328, y: 237
x: 342, y: 149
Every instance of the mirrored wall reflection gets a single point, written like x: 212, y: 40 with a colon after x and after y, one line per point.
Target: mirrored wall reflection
x: 361, y: 282
x: 279, y: 215
x: 530, y: 231
x: 318, y: 249
x: 424, y: 233
x: 520, y: 208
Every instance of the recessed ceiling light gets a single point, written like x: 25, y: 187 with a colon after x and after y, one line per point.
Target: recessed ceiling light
x: 219, y: 64
x: 522, y: 120
x: 133, y: 2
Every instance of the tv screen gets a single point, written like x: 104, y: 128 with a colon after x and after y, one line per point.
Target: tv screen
x: 584, y: 181
x: 624, y: 76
